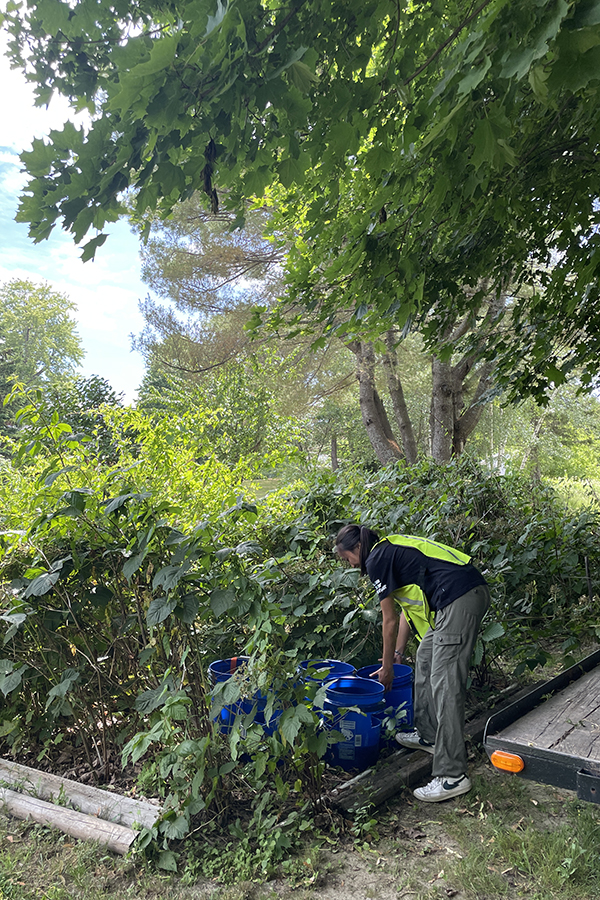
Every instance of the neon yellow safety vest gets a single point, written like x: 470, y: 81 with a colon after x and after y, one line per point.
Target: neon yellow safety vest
x: 411, y: 597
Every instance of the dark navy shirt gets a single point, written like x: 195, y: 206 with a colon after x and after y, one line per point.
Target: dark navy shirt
x: 391, y: 566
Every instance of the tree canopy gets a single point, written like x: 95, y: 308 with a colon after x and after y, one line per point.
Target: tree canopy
x: 38, y: 335
x: 420, y: 148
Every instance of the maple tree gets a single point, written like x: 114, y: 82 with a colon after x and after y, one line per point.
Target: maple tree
x: 420, y: 147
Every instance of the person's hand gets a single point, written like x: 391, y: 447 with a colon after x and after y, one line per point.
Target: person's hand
x: 385, y: 677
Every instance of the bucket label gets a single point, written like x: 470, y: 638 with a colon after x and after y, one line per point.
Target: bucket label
x: 347, y: 728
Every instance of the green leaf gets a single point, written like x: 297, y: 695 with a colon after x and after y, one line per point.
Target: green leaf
x: 170, y: 178
x: 292, y: 720
x: 342, y: 138
x: 301, y: 76
x: 304, y: 714
x: 89, y: 249
x: 148, y: 701
x: 187, y: 608
x: 41, y: 585
x: 55, y: 15
x: 378, y: 159
x: 117, y: 502
x: 222, y: 600
x: 51, y: 478
x: 133, y: 563
x: 290, y: 170
x: 538, y: 77
x: 440, y: 127
x: 162, y: 55
x: 169, y: 576
x: 474, y: 78
x: 520, y: 61
x: 294, y: 58
x: 11, y: 681
x: 160, y: 609
x: 587, y: 12
x: 14, y: 618
x: 60, y: 691
x: 174, y: 829
x: 492, y: 631
x: 249, y: 548
x: 167, y: 860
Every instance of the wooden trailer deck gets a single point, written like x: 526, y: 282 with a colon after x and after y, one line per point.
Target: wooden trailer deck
x: 554, y: 731
x: 568, y: 722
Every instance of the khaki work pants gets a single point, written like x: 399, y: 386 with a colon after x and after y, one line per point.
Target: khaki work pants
x: 442, y: 668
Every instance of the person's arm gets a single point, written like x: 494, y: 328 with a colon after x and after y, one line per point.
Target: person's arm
x: 390, y: 633
x: 402, y: 638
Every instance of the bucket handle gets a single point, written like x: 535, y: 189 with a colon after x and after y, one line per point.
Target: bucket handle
x: 233, y: 665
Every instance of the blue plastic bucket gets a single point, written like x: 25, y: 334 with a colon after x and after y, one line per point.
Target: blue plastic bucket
x: 321, y: 670
x: 361, y: 730
x: 400, y: 697
x: 222, y: 670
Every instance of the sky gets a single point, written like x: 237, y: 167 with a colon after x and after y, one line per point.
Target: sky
x: 106, y: 290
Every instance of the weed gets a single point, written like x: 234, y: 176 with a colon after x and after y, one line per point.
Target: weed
x: 364, y: 827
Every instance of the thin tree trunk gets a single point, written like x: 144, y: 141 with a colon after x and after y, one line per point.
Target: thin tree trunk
x: 532, y: 449
x: 468, y: 420
x: 374, y: 416
x: 334, y: 453
x: 390, y: 365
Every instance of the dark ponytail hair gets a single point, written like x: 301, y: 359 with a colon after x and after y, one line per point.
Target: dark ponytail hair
x: 350, y: 536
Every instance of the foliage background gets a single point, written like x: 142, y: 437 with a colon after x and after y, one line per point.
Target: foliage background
x: 124, y: 580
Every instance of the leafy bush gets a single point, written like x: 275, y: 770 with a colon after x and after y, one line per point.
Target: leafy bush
x: 123, y: 582
x: 541, y: 559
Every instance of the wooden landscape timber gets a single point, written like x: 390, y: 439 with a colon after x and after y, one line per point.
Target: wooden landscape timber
x: 403, y: 769
x: 78, y: 825
x: 79, y: 810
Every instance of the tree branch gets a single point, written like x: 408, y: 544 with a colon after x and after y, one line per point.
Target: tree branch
x: 452, y: 37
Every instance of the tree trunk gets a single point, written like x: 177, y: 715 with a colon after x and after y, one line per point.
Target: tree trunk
x: 532, y: 448
x: 373, y: 411
x: 390, y: 365
x: 450, y: 424
x: 441, y: 419
x: 334, y: 453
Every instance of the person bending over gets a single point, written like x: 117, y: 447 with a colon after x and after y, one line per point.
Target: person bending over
x: 443, y: 597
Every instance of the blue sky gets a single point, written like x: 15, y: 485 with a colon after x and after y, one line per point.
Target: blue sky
x: 106, y: 290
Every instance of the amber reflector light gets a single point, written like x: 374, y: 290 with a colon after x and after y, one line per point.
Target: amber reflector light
x: 510, y: 762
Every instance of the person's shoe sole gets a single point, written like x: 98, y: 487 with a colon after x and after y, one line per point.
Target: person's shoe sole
x: 413, y: 745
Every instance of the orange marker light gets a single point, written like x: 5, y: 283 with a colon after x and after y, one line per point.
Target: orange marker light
x: 508, y: 762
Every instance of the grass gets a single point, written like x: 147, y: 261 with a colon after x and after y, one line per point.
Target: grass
x: 507, y: 838
x: 514, y: 838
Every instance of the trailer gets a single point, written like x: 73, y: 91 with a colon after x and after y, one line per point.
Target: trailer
x: 552, y: 734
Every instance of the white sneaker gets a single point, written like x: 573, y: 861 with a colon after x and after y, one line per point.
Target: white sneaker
x: 414, y: 741
x: 443, y: 788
